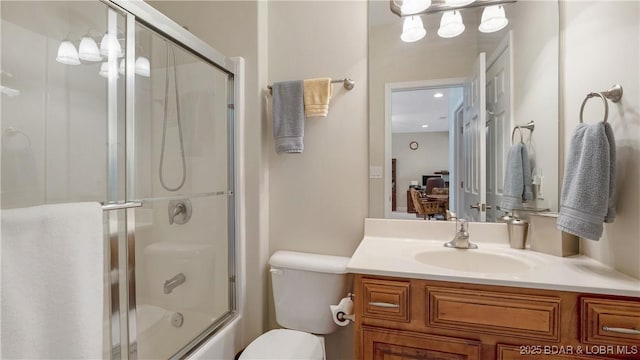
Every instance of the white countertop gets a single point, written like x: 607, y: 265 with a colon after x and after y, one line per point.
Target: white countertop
x: 382, y: 253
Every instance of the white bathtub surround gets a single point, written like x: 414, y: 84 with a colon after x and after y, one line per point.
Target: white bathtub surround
x: 406, y: 249
x: 52, y: 282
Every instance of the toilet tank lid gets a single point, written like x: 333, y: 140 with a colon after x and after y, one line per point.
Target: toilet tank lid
x: 309, y: 262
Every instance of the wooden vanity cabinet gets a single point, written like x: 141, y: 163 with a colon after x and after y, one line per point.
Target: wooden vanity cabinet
x: 398, y: 318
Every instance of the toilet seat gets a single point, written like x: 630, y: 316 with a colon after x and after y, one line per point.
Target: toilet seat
x: 285, y: 344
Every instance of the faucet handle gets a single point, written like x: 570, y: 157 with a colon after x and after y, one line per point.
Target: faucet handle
x: 464, y: 224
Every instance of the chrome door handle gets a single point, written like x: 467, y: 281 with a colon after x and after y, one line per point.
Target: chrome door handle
x: 621, y: 330
x: 384, y: 304
x: 480, y: 207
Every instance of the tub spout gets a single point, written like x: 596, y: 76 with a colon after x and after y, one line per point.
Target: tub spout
x: 174, y: 282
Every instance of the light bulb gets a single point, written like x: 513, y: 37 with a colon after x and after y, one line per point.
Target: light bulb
x: 67, y: 54
x: 412, y: 29
x: 143, y: 68
x: 110, y: 42
x: 493, y: 19
x: 88, y: 50
x: 451, y: 24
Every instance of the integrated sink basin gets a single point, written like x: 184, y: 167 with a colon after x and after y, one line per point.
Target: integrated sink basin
x: 473, y: 261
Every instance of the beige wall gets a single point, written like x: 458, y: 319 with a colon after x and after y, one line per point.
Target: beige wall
x: 318, y: 199
x: 601, y: 48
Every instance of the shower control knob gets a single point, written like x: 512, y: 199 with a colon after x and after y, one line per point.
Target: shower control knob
x: 179, y: 211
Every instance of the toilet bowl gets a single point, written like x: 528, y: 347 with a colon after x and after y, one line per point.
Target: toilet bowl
x: 304, y: 285
x: 285, y: 344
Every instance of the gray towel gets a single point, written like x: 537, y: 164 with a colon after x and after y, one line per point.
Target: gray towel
x: 288, y: 116
x: 517, y: 178
x: 588, y: 186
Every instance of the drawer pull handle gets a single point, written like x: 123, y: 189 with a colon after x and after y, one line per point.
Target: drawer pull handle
x: 384, y: 304
x: 621, y: 330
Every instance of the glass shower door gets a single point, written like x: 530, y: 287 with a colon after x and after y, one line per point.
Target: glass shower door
x: 182, y: 173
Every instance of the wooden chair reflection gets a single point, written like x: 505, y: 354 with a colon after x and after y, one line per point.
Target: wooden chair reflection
x: 424, y: 206
x: 434, y: 183
x: 441, y: 195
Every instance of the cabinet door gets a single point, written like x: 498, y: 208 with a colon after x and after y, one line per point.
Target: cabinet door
x: 383, y: 344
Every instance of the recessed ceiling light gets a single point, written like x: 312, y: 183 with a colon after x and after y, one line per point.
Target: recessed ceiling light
x: 438, y: 95
x: 425, y: 126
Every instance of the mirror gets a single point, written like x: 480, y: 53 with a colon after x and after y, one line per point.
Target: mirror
x: 434, y: 64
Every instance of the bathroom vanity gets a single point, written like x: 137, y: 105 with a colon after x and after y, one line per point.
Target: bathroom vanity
x: 415, y: 299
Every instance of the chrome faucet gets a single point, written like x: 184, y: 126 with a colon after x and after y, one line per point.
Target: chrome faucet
x: 461, y: 240
x: 174, y: 282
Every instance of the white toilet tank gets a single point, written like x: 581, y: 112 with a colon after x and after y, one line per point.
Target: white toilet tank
x: 304, y: 285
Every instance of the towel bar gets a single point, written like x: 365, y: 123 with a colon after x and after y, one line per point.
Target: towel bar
x: 121, y: 206
x: 614, y: 94
x: 346, y: 82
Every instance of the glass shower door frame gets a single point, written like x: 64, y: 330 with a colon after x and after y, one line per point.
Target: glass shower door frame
x: 122, y: 257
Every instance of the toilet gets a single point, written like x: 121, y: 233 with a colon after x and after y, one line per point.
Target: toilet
x: 304, y: 285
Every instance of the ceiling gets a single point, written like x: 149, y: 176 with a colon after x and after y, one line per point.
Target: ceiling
x: 412, y: 109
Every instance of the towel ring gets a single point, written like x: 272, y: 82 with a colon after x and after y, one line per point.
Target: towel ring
x: 531, y: 125
x: 519, y: 132
x: 614, y: 94
x: 606, y: 105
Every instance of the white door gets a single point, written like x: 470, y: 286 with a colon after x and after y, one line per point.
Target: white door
x: 498, y: 126
x: 474, y: 143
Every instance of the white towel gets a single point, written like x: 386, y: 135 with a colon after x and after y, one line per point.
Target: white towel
x: 52, y: 282
x: 517, y: 178
x: 588, y: 187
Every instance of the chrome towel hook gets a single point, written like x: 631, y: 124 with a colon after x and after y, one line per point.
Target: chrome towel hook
x: 614, y: 94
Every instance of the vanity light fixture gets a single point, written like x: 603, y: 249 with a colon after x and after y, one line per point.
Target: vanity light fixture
x: 451, y: 24
x: 425, y: 126
x: 67, y: 54
x: 438, y: 95
x: 457, y: 3
x: 493, y: 19
x: 412, y: 29
x: 411, y: 7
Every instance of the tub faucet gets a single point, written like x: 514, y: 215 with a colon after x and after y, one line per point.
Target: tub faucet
x: 461, y: 240
x: 174, y: 282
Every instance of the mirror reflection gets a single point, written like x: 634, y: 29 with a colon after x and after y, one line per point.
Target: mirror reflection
x: 443, y: 109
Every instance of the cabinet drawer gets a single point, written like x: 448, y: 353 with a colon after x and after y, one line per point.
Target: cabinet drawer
x: 607, y: 321
x: 385, y: 299
x: 384, y: 344
x: 515, y: 315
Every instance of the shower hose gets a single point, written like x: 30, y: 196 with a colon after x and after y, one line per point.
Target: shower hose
x: 164, y: 125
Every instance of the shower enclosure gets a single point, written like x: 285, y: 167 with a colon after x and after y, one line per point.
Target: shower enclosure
x: 110, y: 101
